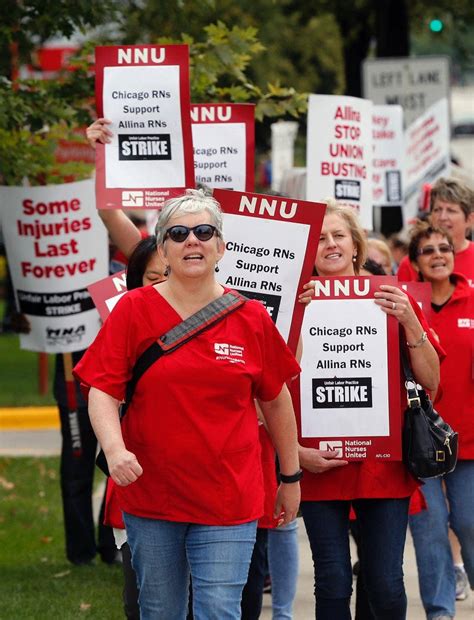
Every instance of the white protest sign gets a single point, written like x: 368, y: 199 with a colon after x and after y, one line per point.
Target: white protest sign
x: 387, y: 165
x: 271, y: 245
x: 350, y: 381
x: 283, y: 149
x: 224, y: 145
x: 56, y: 245
x: 426, y: 154
x: 339, y: 152
x: 413, y: 83
x: 144, y: 91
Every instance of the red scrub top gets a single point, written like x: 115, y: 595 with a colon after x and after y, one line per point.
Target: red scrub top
x: 454, y: 324
x: 192, y: 422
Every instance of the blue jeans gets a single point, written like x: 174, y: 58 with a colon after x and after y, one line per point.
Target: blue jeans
x: 382, y: 525
x: 429, y: 529
x: 164, y: 553
x: 282, y: 548
x: 252, y: 594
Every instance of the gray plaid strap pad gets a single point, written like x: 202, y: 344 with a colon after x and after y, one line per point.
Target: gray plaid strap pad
x: 202, y: 319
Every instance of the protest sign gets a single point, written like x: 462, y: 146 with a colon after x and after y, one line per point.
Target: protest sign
x: 350, y: 380
x: 426, y: 154
x: 388, y: 148
x: 283, y: 151
x: 106, y: 292
x: 271, y: 245
x: 56, y: 245
x: 339, y: 152
x: 144, y: 91
x: 413, y: 83
x: 224, y: 145
x: 421, y: 293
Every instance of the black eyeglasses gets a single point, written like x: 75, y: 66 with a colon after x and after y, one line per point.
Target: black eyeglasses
x: 203, y: 232
x: 429, y: 250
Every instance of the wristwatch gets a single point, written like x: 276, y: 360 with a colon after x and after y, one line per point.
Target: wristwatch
x: 293, y: 478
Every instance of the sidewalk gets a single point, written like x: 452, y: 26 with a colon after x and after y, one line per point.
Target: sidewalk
x: 47, y: 442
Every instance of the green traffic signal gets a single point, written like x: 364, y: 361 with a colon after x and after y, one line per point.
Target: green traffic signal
x: 436, y: 25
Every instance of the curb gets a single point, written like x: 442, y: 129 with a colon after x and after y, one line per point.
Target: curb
x: 28, y: 418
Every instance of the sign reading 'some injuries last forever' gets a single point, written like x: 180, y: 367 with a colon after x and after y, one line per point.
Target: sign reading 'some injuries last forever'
x: 350, y: 382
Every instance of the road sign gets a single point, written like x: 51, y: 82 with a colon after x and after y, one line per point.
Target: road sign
x: 413, y: 83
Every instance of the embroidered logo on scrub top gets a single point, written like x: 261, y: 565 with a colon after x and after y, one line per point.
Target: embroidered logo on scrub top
x: 464, y: 323
x: 231, y: 352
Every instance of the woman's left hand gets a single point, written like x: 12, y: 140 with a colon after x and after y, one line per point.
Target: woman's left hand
x: 287, y: 503
x: 395, y: 302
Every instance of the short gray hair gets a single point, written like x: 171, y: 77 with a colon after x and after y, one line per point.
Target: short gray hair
x: 193, y: 201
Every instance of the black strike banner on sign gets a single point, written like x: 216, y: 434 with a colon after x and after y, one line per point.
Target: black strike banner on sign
x: 54, y: 304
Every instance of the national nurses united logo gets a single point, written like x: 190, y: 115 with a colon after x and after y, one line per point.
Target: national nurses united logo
x: 144, y: 146
x: 230, y: 352
x: 342, y: 393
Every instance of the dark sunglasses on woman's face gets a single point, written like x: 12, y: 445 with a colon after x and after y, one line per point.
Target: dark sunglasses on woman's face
x: 429, y: 250
x: 203, y: 232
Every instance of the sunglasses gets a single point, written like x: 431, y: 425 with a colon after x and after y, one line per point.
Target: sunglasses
x: 429, y: 250
x: 203, y: 232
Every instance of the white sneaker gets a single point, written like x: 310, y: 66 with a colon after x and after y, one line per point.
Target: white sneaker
x: 461, y: 583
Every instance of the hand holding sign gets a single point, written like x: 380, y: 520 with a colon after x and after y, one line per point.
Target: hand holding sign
x: 98, y: 132
x: 319, y: 461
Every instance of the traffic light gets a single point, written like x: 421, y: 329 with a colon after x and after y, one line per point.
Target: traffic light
x: 436, y: 25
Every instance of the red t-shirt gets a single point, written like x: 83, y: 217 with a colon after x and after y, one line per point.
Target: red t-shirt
x: 192, y: 422
x: 463, y: 263
x: 454, y: 324
x: 113, y: 514
x: 370, y: 478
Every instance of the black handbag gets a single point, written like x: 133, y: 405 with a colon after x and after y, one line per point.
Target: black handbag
x: 172, y: 340
x: 429, y: 444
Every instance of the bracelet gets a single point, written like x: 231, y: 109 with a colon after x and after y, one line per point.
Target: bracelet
x: 424, y: 338
x: 293, y: 478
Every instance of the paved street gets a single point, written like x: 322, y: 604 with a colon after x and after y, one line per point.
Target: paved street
x: 47, y: 442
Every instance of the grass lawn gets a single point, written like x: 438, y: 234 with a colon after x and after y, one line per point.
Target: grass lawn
x: 19, y: 375
x: 36, y: 580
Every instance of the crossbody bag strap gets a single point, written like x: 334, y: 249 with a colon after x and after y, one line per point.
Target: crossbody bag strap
x: 181, y: 334
x: 414, y: 394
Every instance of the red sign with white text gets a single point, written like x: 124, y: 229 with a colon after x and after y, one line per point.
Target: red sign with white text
x: 224, y: 145
x: 144, y: 91
x: 349, y: 388
x: 106, y: 292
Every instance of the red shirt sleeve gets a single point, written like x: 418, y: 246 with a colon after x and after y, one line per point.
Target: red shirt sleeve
x: 106, y: 364
x: 405, y: 272
x: 425, y: 325
x: 278, y: 362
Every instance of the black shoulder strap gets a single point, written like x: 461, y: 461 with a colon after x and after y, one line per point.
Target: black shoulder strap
x: 179, y: 335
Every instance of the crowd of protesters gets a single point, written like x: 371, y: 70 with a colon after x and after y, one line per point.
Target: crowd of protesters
x: 205, y: 467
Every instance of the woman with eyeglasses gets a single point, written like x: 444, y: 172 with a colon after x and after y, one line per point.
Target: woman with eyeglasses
x: 431, y: 253
x: 186, y: 458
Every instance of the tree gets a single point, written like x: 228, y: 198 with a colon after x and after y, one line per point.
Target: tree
x: 34, y: 114
x: 390, y: 28
x: 28, y: 23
